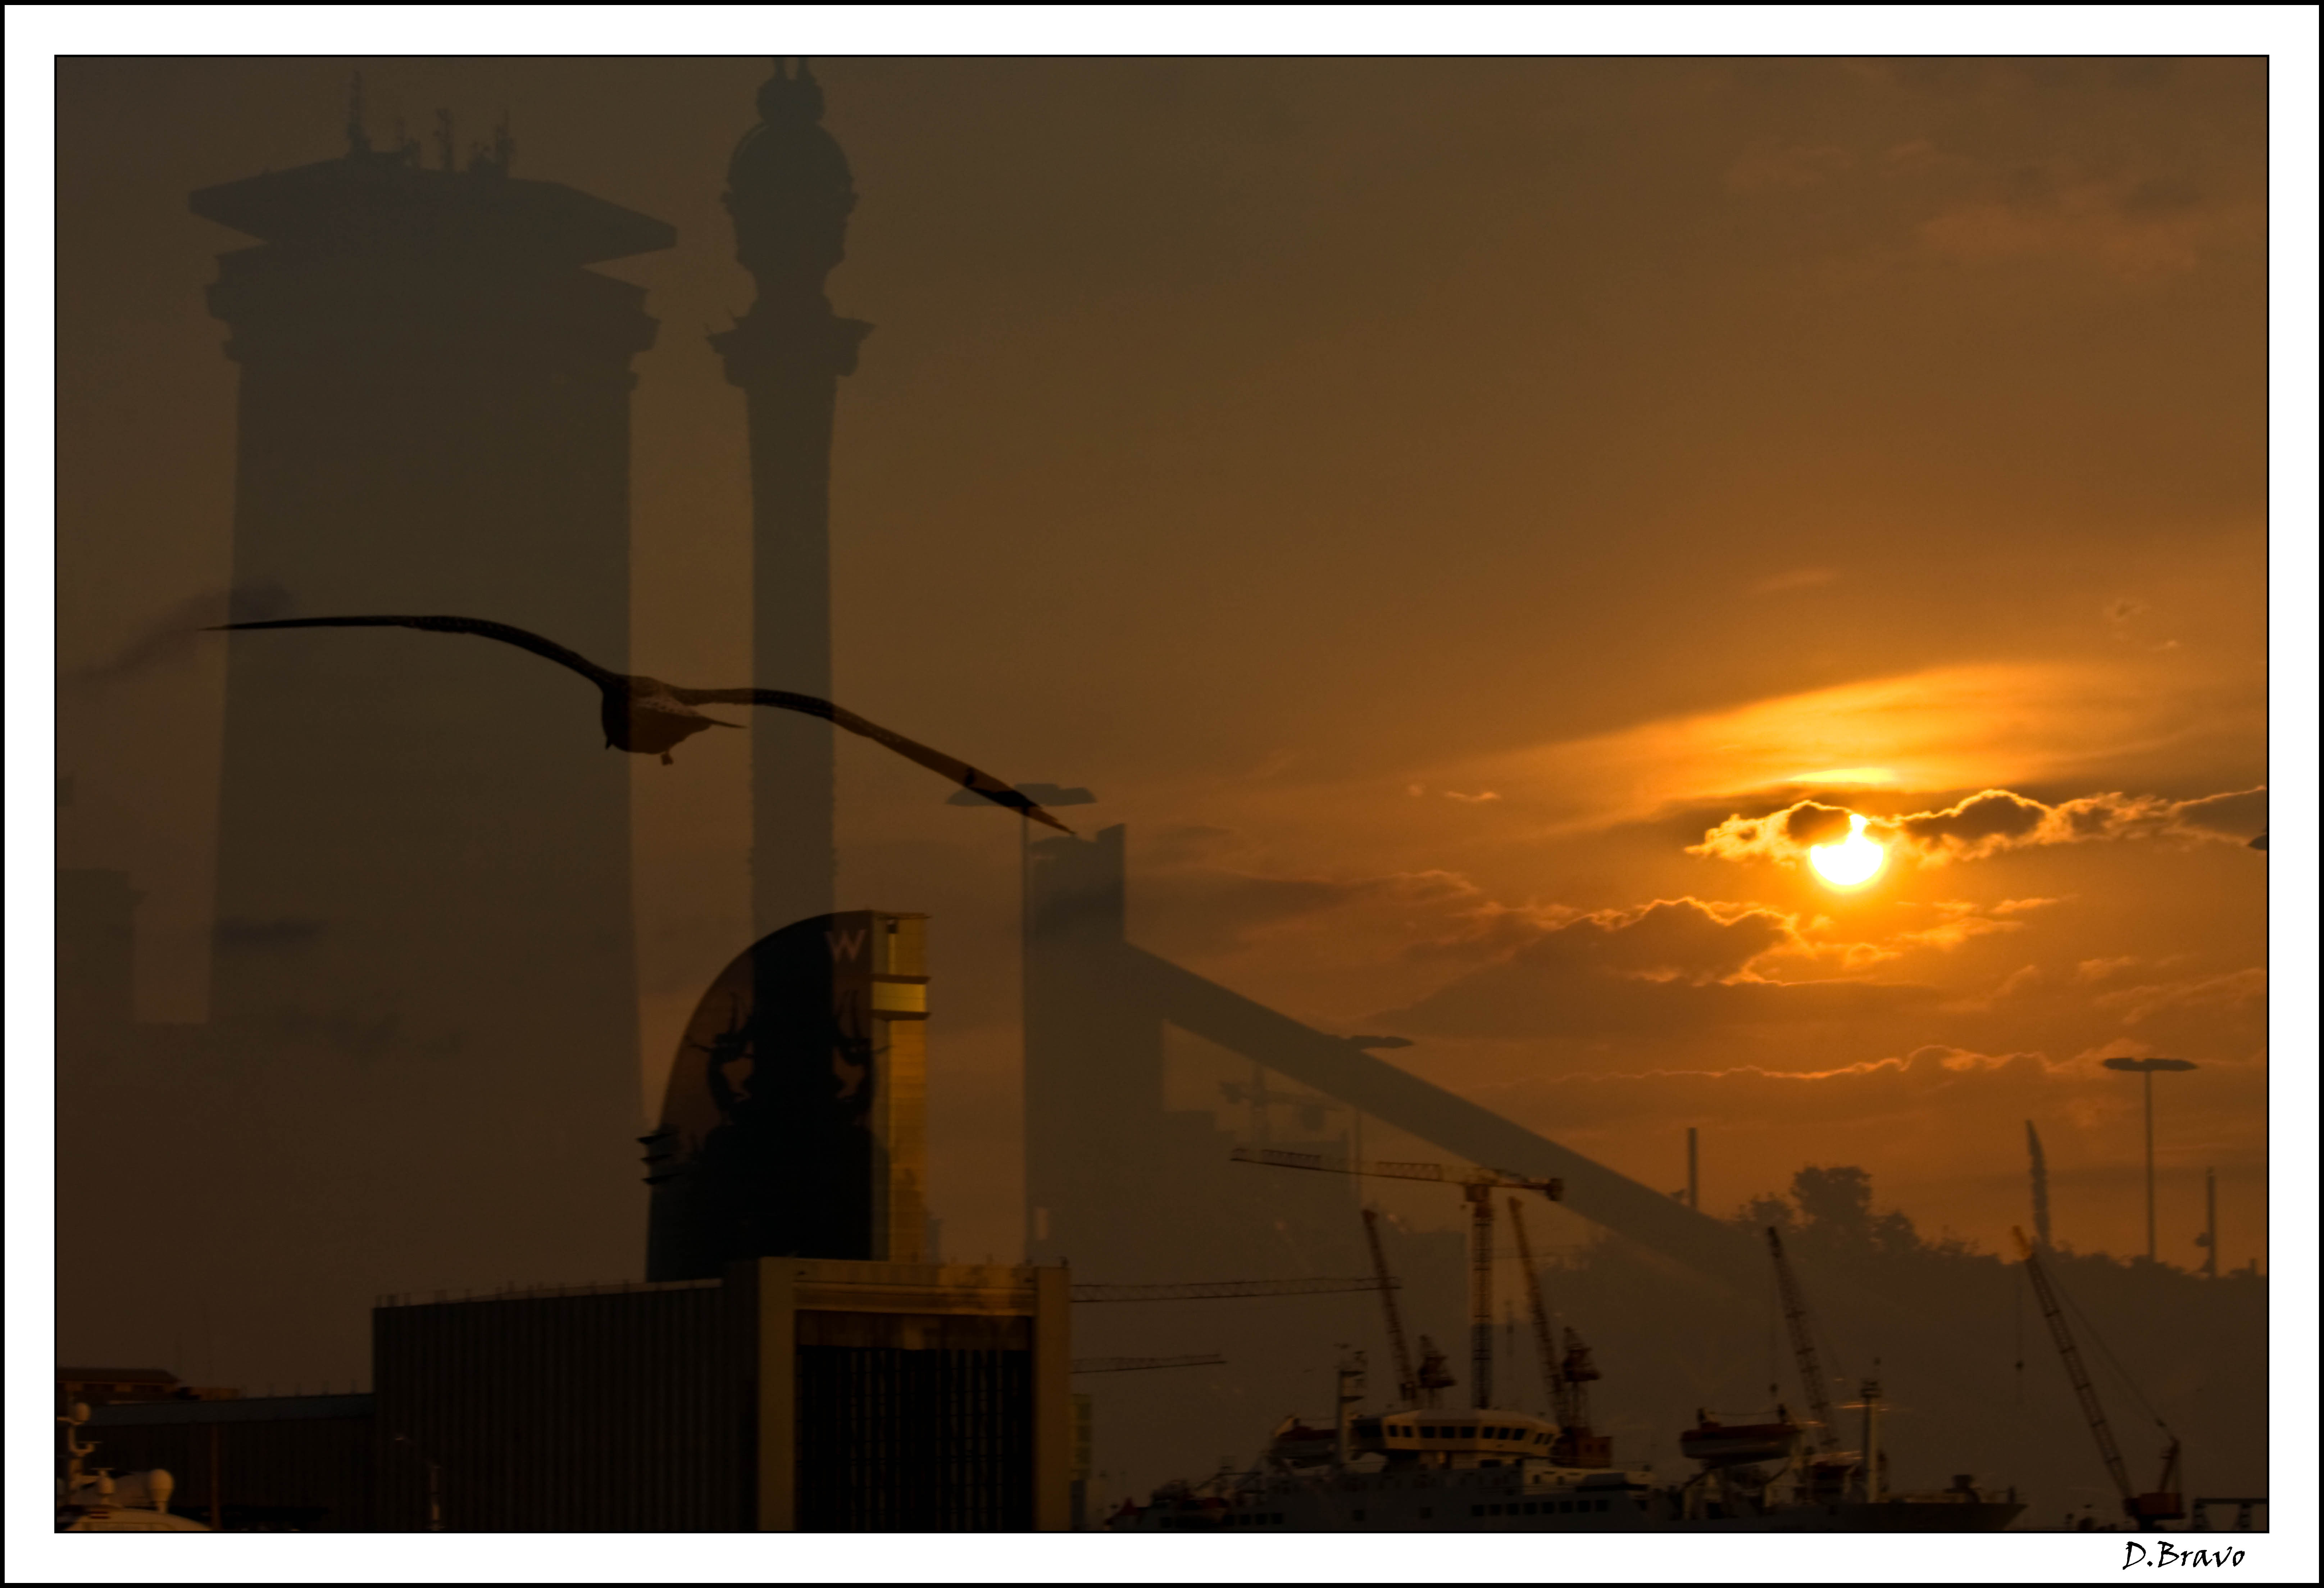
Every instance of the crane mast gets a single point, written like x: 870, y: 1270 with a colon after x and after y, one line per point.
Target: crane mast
x: 1553, y: 1383
x: 1795, y: 1315
x: 2160, y: 1505
x: 1408, y: 1384
x: 1477, y: 1186
x: 1566, y: 1376
x: 1575, y: 1373
x: 1480, y: 1295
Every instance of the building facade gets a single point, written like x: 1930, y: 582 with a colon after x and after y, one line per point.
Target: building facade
x: 424, y: 941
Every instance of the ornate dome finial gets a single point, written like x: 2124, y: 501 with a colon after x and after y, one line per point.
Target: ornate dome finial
x: 790, y: 191
x: 789, y: 98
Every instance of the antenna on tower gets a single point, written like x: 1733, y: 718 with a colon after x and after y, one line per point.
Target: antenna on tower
x: 444, y: 138
x: 504, y: 145
x: 359, y: 140
x: 2040, y: 1181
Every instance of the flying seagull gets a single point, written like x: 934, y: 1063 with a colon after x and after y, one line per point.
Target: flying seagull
x: 649, y: 717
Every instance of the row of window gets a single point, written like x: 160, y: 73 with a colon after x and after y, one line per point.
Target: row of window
x: 1265, y: 1519
x: 1546, y: 1508
x: 1407, y: 1431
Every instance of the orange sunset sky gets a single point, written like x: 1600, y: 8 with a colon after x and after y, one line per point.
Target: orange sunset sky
x: 1478, y: 523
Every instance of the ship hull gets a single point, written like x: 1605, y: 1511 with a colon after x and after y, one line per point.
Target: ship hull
x: 1432, y: 1504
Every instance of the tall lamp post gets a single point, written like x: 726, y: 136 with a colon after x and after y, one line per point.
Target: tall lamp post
x: 2147, y: 1067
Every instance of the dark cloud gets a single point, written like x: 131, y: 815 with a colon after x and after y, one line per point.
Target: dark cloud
x: 1189, y: 903
x: 1976, y: 822
x: 1190, y: 842
x: 1990, y: 821
x: 1808, y: 823
x: 1486, y: 930
x: 1682, y: 939
x: 1673, y: 965
x: 1750, y: 1093
x: 2235, y: 817
x: 1967, y: 75
x: 2224, y: 992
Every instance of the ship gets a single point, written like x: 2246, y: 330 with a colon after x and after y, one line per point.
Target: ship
x: 96, y: 1501
x: 1419, y: 1466
x: 1484, y: 1469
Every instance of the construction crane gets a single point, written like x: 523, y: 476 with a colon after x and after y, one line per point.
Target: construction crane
x: 1433, y: 1376
x: 1553, y: 1383
x: 1227, y: 1290
x: 1477, y: 1185
x: 1577, y: 1371
x: 1565, y: 1378
x: 2040, y: 1173
x: 1131, y: 1364
x: 2163, y: 1503
x: 1407, y: 1382
x: 1312, y: 1106
x: 1795, y: 1315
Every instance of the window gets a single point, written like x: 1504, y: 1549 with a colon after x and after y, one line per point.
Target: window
x: 1531, y: 1506
x: 1601, y: 1505
x: 1476, y: 1510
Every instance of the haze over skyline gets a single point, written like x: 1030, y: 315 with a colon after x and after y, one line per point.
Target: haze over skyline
x: 1441, y: 507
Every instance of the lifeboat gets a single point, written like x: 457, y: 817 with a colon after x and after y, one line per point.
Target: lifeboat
x: 1294, y: 1444
x: 1722, y: 1445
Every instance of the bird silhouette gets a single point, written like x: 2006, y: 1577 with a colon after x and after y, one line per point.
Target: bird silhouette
x: 647, y: 716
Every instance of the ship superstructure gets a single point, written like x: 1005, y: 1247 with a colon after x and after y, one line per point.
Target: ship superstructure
x: 1420, y: 1466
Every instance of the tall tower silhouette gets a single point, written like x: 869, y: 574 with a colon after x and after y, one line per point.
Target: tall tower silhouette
x: 788, y: 189
x: 424, y: 962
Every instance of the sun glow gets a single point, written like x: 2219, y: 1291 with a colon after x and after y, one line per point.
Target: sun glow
x: 1854, y: 859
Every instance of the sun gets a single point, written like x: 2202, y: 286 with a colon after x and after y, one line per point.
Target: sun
x: 1854, y: 859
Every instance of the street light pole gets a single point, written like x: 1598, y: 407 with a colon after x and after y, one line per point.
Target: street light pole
x: 2147, y: 1068
x: 2149, y: 1079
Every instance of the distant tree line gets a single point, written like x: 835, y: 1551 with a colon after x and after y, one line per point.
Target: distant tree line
x: 1828, y: 1214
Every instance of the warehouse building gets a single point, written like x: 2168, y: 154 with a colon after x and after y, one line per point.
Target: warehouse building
x: 809, y: 1394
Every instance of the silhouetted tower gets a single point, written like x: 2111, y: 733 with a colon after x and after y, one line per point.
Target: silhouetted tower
x: 423, y: 886
x: 788, y: 189
x: 1096, y: 1167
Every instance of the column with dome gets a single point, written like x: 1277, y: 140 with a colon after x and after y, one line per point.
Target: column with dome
x: 789, y: 192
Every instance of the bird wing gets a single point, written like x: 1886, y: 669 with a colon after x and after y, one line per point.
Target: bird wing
x: 482, y: 628
x: 936, y: 761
